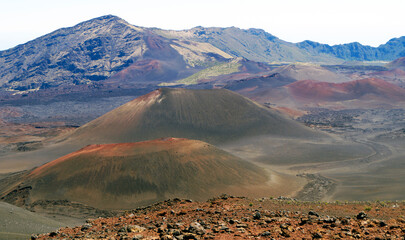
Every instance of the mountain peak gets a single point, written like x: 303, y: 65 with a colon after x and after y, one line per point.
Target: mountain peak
x: 106, y: 18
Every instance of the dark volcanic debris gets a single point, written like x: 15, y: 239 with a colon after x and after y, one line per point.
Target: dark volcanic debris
x: 242, y: 218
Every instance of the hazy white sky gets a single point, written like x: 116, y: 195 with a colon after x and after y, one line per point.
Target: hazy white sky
x: 369, y: 22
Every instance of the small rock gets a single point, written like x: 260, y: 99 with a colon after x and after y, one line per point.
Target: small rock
x: 161, y: 230
x: 329, y: 220
x: 269, y: 220
x: 138, y: 237
x: 86, y: 227
x: 196, y: 228
x: 317, y: 235
x: 303, y: 221
x: 176, y: 232
x: 190, y: 236
x: 135, y: 228
x: 361, y: 215
x: 224, y: 228
x: 257, y: 215
x: 266, y: 233
x: 345, y: 221
x: 242, y: 230
x: 394, y: 226
x: 162, y: 213
x: 241, y: 225
x: 182, y: 212
x: 285, y: 233
x: 382, y: 224
x: 312, y: 213
x: 166, y: 237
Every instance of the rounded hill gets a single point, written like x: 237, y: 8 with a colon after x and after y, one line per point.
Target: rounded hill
x: 128, y: 175
x: 370, y: 88
x: 214, y: 116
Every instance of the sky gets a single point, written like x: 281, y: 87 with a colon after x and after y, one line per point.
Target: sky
x: 369, y: 22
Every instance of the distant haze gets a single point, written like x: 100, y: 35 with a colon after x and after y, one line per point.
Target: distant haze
x: 369, y: 22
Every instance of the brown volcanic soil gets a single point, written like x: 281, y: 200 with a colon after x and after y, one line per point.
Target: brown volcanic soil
x: 241, y: 218
x: 305, y: 72
x: 128, y: 175
x: 15, y: 137
x: 314, y: 91
x: 214, y: 116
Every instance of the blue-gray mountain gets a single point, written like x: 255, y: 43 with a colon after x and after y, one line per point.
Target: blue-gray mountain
x: 393, y: 49
x: 107, y: 50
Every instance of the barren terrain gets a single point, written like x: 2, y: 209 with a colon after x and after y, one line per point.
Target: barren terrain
x: 230, y: 217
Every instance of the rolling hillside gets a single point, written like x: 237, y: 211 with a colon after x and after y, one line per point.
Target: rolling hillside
x: 314, y: 91
x: 128, y: 175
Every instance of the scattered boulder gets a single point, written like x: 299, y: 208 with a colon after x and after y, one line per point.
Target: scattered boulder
x: 135, y: 228
x: 312, y: 213
x: 257, y: 215
x: 361, y: 215
x: 196, y: 228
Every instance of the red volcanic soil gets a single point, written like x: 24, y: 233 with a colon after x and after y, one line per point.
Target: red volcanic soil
x: 230, y: 217
x: 294, y: 113
x: 390, y: 73
x: 329, y: 92
x: 140, y: 68
x: 398, y: 63
x: 127, y: 175
x: 395, y: 76
x: 159, y: 63
x: 150, y: 70
x: 127, y: 149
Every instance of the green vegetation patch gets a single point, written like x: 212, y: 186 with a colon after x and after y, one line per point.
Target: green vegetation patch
x: 214, y: 71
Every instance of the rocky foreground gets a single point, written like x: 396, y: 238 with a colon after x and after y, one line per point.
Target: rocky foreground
x: 230, y: 217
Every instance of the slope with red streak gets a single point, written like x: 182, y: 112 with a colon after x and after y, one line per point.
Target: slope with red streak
x: 121, y: 149
x: 127, y: 175
x: 329, y: 92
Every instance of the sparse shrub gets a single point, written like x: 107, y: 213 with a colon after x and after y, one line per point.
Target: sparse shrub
x: 250, y: 204
x: 367, y: 208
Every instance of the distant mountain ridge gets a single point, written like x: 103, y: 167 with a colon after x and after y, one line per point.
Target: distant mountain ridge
x: 393, y: 49
x: 86, y: 55
x: 95, y: 50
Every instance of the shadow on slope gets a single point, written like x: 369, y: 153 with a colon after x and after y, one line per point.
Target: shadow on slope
x: 17, y: 223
